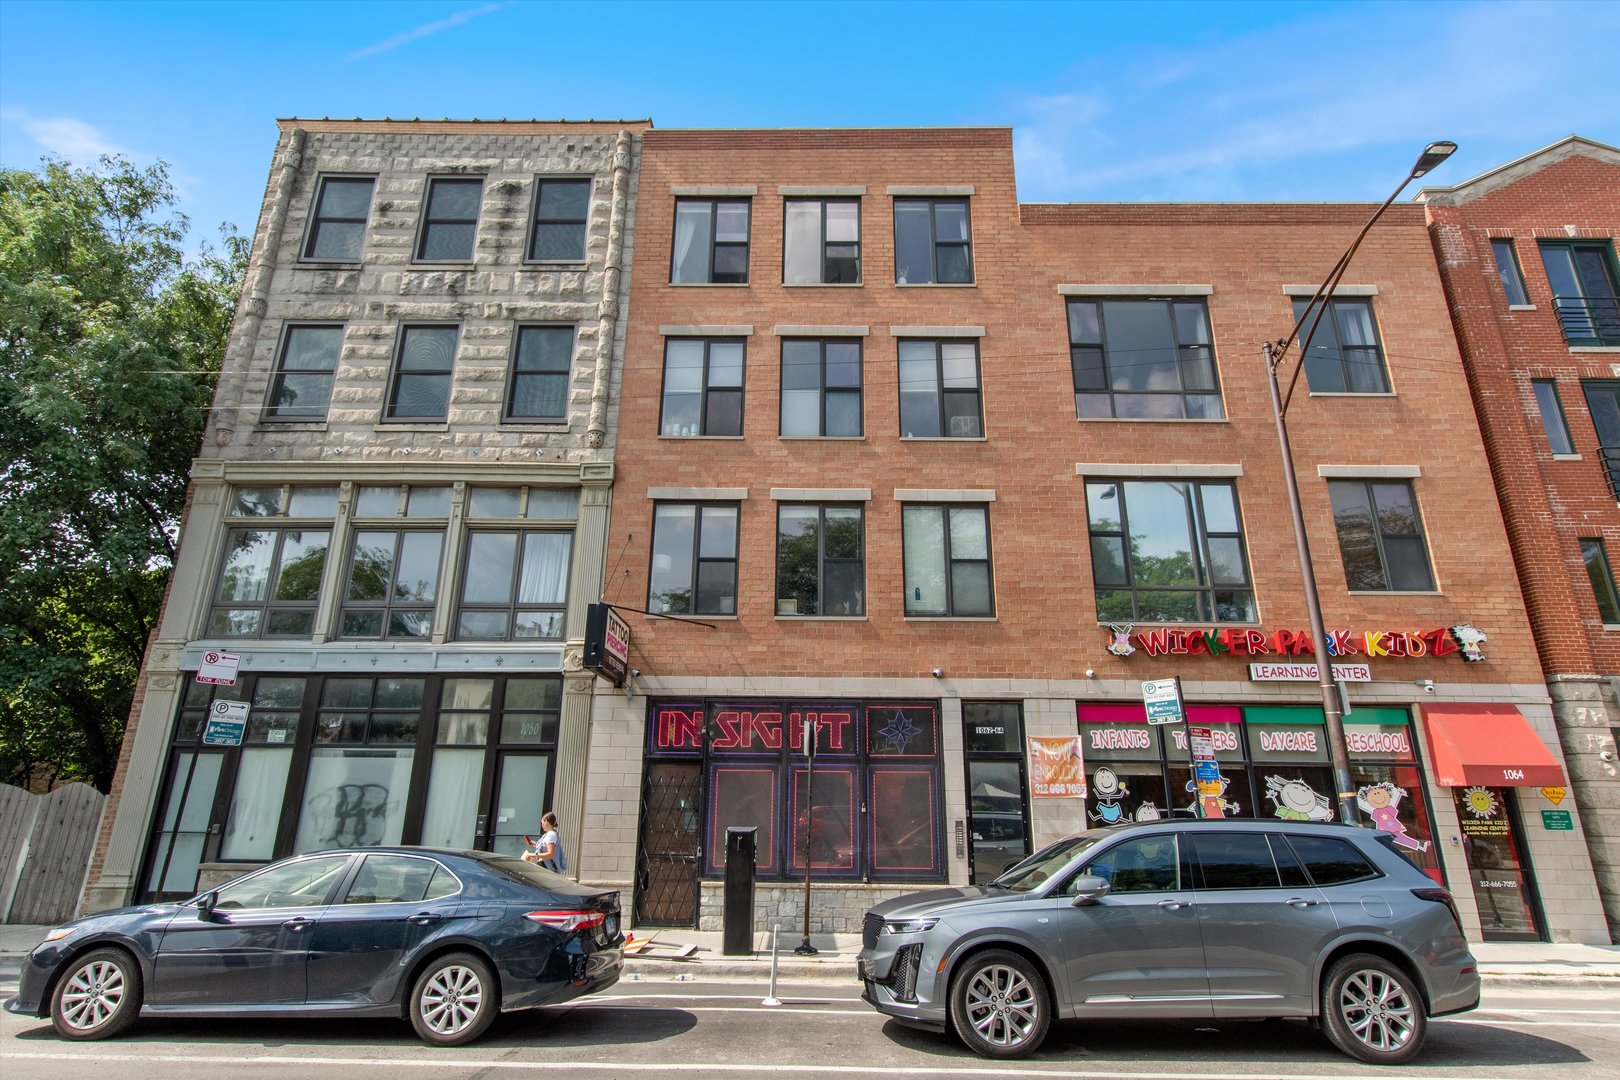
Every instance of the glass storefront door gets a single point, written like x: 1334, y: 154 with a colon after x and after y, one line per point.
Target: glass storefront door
x: 1493, y: 847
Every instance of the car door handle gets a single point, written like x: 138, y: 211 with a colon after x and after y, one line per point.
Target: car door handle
x: 299, y: 923
x: 1174, y: 905
x: 426, y: 918
x: 1299, y: 903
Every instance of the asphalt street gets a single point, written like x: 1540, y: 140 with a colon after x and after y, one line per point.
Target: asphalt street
x: 656, y: 1028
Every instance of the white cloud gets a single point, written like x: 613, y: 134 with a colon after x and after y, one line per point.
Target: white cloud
x: 427, y: 30
x: 63, y: 136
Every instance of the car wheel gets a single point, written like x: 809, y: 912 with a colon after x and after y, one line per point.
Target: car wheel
x: 1372, y: 1010
x: 999, y: 1005
x: 454, y: 1001
x: 99, y: 997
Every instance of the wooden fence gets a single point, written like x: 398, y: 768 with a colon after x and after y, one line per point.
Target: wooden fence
x: 45, y: 847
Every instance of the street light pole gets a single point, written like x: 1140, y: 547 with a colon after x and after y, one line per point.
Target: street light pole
x: 1332, y: 709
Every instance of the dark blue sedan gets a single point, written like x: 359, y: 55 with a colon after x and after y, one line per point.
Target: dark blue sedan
x: 447, y: 938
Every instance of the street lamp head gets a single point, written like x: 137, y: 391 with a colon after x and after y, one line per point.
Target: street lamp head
x: 1433, y: 155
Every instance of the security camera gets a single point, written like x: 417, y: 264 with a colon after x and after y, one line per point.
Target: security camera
x: 635, y: 673
x: 938, y: 673
x: 1090, y: 673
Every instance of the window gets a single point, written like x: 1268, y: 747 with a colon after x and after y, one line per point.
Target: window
x: 694, y: 559
x: 302, y: 386
x: 932, y: 244
x: 1344, y: 357
x: 1603, y: 404
x: 337, y: 227
x: 993, y: 754
x: 711, y: 242
x: 262, y: 768
x: 1380, y: 536
x: 1168, y: 551
x: 1236, y: 861
x: 1602, y: 578
x: 821, y: 387
x: 939, y: 390
x: 539, y: 387
x: 1507, y: 268
x: 359, y: 771
x: 562, y: 210
x: 421, y: 389
x: 393, y: 579
x: 399, y: 879
x: 1143, y: 360
x: 270, y: 577
x: 306, y: 883
x: 820, y: 560
x: 1552, y: 416
x: 1331, y: 861
x: 1145, y: 864
x: 450, y: 224
x: 514, y: 586
x: 1586, y: 291
x: 947, y: 560
x: 703, y: 386
x: 823, y: 242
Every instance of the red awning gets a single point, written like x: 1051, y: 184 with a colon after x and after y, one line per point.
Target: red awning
x: 1487, y: 745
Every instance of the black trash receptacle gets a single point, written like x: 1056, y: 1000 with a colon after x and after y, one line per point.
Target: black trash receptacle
x: 739, y: 900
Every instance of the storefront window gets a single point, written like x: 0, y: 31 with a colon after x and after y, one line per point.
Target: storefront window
x: 261, y: 773
x: 360, y: 770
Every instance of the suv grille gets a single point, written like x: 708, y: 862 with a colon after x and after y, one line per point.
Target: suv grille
x: 903, y: 979
x: 871, y: 927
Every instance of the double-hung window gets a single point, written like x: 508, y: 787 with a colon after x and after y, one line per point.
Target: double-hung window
x: 394, y: 556
x: 275, y: 554
x: 1601, y: 576
x: 821, y: 387
x: 337, y: 227
x: 1344, y: 357
x: 694, y: 559
x: 820, y: 560
x: 514, y: 584
x: 1586, y: 290
x: 1148, y: 359
x: 423, y: 368
x: 540, y: 363
x: 561, y: 211
x: 1168, y: 551
x: 822, y: 245
x: 301, y: 388
x: 711, y: 242
x: 450, y: 220
x: 939, y: 390
x: 1507, y: 270
x: 947, y: 560
x: 932, y: 242
x: 703, y: 386
x: 1380, y: 536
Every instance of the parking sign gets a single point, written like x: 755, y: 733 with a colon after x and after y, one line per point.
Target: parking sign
x: 1163, y: 701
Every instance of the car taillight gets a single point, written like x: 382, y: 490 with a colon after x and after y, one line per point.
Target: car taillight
x: 1440, y: 896
x: 568, y: 920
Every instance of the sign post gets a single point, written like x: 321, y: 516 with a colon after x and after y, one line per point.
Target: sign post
x: 804, y: 947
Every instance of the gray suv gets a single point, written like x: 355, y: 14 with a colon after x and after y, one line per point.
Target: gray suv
x: 1194, y: 919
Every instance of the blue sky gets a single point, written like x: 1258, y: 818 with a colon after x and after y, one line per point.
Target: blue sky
x: 1146, y: 101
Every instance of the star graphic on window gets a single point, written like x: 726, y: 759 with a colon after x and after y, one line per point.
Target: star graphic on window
x: 900, y: 732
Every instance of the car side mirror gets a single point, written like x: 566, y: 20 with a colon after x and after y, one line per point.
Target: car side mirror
x: 1088, y: 889
x: 205, y: 906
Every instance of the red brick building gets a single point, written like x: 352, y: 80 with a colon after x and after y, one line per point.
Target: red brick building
x: 1527, y: 255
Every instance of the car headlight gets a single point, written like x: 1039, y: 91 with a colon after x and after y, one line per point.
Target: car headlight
x: 59, y: 933
x: 909, y: 926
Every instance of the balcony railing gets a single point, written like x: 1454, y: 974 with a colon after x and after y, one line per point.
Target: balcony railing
x: 1611, y: 464
x: 1589, y: 320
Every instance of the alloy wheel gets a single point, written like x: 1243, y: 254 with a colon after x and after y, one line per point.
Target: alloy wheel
x: 1002, y: 1005
x: 92, y: 995
x: 1377, y: 1009
x: 451, y: 1000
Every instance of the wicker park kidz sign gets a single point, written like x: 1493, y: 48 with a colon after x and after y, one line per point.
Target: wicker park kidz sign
x: 1464, y: 640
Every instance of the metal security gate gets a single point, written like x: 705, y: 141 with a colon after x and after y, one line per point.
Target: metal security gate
x: 671, y: 844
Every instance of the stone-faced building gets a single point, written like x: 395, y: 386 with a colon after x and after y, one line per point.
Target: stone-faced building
x: 397, y: 517
x: 1527, y: 254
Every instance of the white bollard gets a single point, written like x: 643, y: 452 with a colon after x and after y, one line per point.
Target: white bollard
x: 770, y: 998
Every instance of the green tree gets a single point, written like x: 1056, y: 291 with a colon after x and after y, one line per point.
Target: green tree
x: 110, y: 345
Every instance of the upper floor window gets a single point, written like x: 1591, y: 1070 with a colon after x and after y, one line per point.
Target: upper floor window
x: 393, y: 581
x: 1344, y: 357
x: 703, y: 386
x: 1603, y: 404
x: 561, y: 211
x: 1601, y: 576
x: 1380, y: 536
x: 821, y: 387
x: 515, y: 579
x: 932, y: 242
x: 1586, y: 290
x: 820, y: 560
x: 1168, y: 551
x: 450, y: 221
x: 270, y: 577
x: 1143, y: 360
x: 823, y: 242
x: 337, y: 227
x: 939, y: 390
x: 1552, y: 416
x: 301, y: 388
x: 947, y: 560
x: 1507, y: 269
x: 711, y: 242
x: 540, y: 365
x: 422, y: 371
x: 694, y: 559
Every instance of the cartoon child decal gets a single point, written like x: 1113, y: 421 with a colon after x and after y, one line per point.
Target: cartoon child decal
x: 1120, y: 643
x: 1380, y: 801
x: 1109, y: 790
x: 1213, y: 806
x: 1469, y: 639
x: 1297, y: 801
x: 1148, y: 812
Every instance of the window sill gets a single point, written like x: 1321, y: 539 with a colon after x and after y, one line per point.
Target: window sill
x: 325, y: 264
x: 780, y: 617
x: 936, y: 284
x: 1611, y: 626
x: 823, y: 284
x: 1184, y: 625
x: 1566, y: 457
x: 701, y: 438
x: 414, y: 425
x: 1151, y: 420
x: 1594, y: 348
x: 951, y: 618
x: 943, y: 438
x: 548, y: 423
x: 708, y: 284
x: 1352, y: 393
x: 453, y: 264
x: 543, y: 266
x: 270, y: 423
x: 1395, y: 592
x: 1521, y: 307
x: 822, y: 438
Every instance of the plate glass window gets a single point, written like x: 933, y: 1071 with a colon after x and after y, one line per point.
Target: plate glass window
x: 1143, y: 360
x: 393, y: 581
x: 939, y: 390
x: 947, y: 561
x: 450, y: 224
x: 694, y: 559
x: 540, y: 366
x: 359, y: 770
x: 1598, y: 571
x: 1552, y: 416
x: 337, y: 228
x: 1586, y: 291
x: 561, y: 211
x: 1168, y: 551
x: 270, y: 577
x: 703, y: 387
x: 711, y: 242
x: 821, y: 387
x: 1507, y: 269
x: 823, y: 242
x: 932, y: 244
x: 427, y: 357
x: 302, y: 386
x: 514, y: 585
x: 820, y: 562
x: 1345, y: 356
x: 1380, y: 536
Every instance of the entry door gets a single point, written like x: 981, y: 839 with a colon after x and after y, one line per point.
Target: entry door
x: 671, y: 844
x: 997, y: 833
x: 189, y: 826
x: 522, y: 795
x: 1493, y: 847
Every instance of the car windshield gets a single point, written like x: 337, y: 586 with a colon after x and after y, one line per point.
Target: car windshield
x: 526, y: 872
x: 1040, y: 866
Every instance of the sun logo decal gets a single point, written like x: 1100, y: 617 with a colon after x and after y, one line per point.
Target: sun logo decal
x: 1480, y: 802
